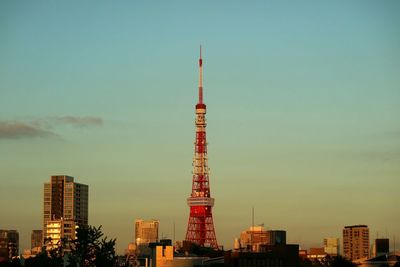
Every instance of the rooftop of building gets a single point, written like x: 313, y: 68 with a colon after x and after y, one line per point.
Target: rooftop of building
x: 356, y: 226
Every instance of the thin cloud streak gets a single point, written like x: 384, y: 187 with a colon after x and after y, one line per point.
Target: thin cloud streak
x: 43, y: 128
x: 80, y: 121
x: 18, y: 130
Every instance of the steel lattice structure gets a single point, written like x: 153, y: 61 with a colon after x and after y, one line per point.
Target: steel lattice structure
x: 200, y: 228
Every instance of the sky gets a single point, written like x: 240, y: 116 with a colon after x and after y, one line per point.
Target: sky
x: 303, y: 102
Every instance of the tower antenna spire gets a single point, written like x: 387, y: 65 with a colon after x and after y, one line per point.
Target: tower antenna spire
x: 200, y: 78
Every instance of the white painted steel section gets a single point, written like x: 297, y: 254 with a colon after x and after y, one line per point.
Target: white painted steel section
x: 200, y: 201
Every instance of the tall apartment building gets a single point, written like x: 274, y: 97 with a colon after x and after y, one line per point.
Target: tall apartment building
x: 9, y: 245
x: 146, y: 231
x: 331, y: 246
x: 66, y: 200
x: 356, y: 242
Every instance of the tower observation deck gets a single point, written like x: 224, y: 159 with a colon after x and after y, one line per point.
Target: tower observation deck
x: 200, y: 228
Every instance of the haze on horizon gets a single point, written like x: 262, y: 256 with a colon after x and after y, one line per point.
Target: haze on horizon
x: 303, y: 103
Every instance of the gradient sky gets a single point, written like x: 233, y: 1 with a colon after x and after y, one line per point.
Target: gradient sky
x: 303, y: 105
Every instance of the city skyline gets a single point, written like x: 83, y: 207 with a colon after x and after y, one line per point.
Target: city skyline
x: 303, y: 103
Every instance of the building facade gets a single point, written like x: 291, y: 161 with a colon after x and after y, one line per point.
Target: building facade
x: 331, y: 246
x: 64, y: 199
x: 276, y: 237
x: 252, y: 238
x: 356, y: 242
x: 146, y: 231
x: 58, y: 232
x: 36, y: 241
x: 381, y: 247
x: 9, y: 245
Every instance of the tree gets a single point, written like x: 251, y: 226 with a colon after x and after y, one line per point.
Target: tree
x: 91, y: 250
x: 47, y: 258
x: 328, y: 261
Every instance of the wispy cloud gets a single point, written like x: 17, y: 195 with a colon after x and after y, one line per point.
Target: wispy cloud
x: 80, y: 121
x: 44, y: 128
x: 17, y: 130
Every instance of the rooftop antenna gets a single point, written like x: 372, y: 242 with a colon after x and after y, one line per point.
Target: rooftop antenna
x: 252, y: 227
x: 173, y: 241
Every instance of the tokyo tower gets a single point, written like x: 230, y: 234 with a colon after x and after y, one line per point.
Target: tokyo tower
x: 200, y: 228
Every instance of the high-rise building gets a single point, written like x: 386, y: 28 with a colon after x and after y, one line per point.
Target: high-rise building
x: 9, y: 245
x: 64, y: 199
x: 356, y: 242
x: 146, y: 231
x: 36, y: 241
x: 331, y: 246
x: 200, y: 229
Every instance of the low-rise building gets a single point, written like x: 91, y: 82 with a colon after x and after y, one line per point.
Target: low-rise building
x: 9, y: 245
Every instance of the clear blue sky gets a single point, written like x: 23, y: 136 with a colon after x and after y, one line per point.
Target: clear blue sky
x: 303, y: 112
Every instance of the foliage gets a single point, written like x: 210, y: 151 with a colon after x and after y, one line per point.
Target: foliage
x: 328, y: 261
x: 90, y: 249
x: 51, y: 258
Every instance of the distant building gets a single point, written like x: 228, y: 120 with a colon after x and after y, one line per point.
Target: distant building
x: 274, y: 255
x: 303, y: 253
x: 381, y: 247
x: 356, y: 242
x: 316, y: 254
x: 58, y: 231
x: 331, y: 246
x: 64, y: 199
x: 146, y: 231
x: 36, y: 241
x: 253, y: 237
x: 256, y: 236
x: 9, y: 245
x: 276, y: 237
x: 161, y: 255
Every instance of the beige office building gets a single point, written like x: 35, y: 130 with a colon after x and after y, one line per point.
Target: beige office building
x: 64, y: 199
x: 331, y: 246
x: 146, y: 231
x: 356, y: 242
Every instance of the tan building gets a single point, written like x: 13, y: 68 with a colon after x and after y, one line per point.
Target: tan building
x: 58, y: 231
x: 356, y: 242
x: 63, y: 199
x: 253, y: 237
x: 146, y: 231
x: 331, y: 246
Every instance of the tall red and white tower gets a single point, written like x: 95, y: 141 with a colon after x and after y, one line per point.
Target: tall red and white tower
x: 200, y: 228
